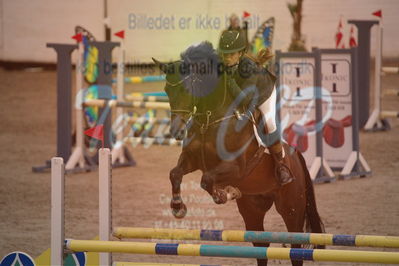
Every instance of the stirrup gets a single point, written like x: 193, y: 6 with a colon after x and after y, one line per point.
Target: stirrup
x: 278, y: 172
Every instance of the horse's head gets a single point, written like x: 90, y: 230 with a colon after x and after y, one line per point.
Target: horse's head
x: 190, y: 84
x: 200, y: 72
x: 180, y: 100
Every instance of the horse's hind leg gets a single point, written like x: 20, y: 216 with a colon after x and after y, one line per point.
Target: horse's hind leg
x: 184, y: 166
x: 292, y: 209
x: 253, y: 209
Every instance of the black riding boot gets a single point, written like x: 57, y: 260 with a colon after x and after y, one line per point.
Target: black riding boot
x: 282, y: 171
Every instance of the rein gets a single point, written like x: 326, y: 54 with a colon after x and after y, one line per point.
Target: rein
x: 205, y: 126
x: 191, y: 115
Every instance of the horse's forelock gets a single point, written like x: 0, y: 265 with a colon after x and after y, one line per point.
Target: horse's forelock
x: 200, y: 69
x: 199, y: 52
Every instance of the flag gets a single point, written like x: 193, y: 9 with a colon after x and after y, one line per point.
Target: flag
x: 96, y: 132
x: 246, y: 14
x: 120, y: 34
x: 352, y: 38
x: 378, y: 13
x: 339, y: 36
x: 77, y: 37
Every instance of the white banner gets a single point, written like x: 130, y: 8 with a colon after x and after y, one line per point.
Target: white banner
x: 337, y: 90
x: 297, y: 99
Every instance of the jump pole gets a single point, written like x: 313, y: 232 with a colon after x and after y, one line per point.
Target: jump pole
x: 134, y: 104
x: 257, y: 236
x: 390, y: 70
x: 143, y: 79
x: 145, y: 98
x: 233, y: 251
x: 148, y: 141
x: 138, y: 79
x: 155, y: 264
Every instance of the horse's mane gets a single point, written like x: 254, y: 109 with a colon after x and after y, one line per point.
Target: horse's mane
x: 199, y: 52
x: 199, y: 69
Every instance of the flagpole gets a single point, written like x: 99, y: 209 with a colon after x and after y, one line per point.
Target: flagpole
x: 107, y: 29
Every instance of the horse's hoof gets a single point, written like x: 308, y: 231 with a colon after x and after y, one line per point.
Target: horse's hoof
x: 220, y: 196
x: 180, y: 212
x: 233, y: 193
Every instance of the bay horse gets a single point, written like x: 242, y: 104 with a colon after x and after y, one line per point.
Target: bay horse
x: 218, y: 139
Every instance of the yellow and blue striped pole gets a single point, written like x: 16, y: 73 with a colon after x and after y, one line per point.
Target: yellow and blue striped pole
x: 233, y: 251
x: 141, y: 79
x: 134, y: 104
x: 146, y: 98
x: 259, y: 237
x: 155, y: 264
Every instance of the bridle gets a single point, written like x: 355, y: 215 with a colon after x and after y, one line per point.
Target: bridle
x: 190, y: 115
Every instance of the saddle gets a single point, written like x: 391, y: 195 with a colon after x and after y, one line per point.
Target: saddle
x: 333, y: 131
x: 297, y: 135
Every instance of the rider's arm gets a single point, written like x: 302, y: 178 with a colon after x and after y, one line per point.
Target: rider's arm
x: 232, y: 85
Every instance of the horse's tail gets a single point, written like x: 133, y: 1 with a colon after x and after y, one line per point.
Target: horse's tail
x: 313, y: 220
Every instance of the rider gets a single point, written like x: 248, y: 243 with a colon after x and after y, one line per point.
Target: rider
x: 244, y: 71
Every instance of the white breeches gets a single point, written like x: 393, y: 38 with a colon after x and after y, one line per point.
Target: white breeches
x: 268, y: 110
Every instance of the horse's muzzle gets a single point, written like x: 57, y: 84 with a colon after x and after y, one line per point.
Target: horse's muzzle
x: 178, y: 134
x: 177, y: 128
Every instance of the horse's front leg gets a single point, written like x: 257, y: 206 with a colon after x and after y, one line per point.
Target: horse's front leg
x: 217, y: 182
x: 183, y: 167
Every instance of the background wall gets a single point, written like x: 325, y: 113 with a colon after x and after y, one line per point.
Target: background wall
x: 26, y: 26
